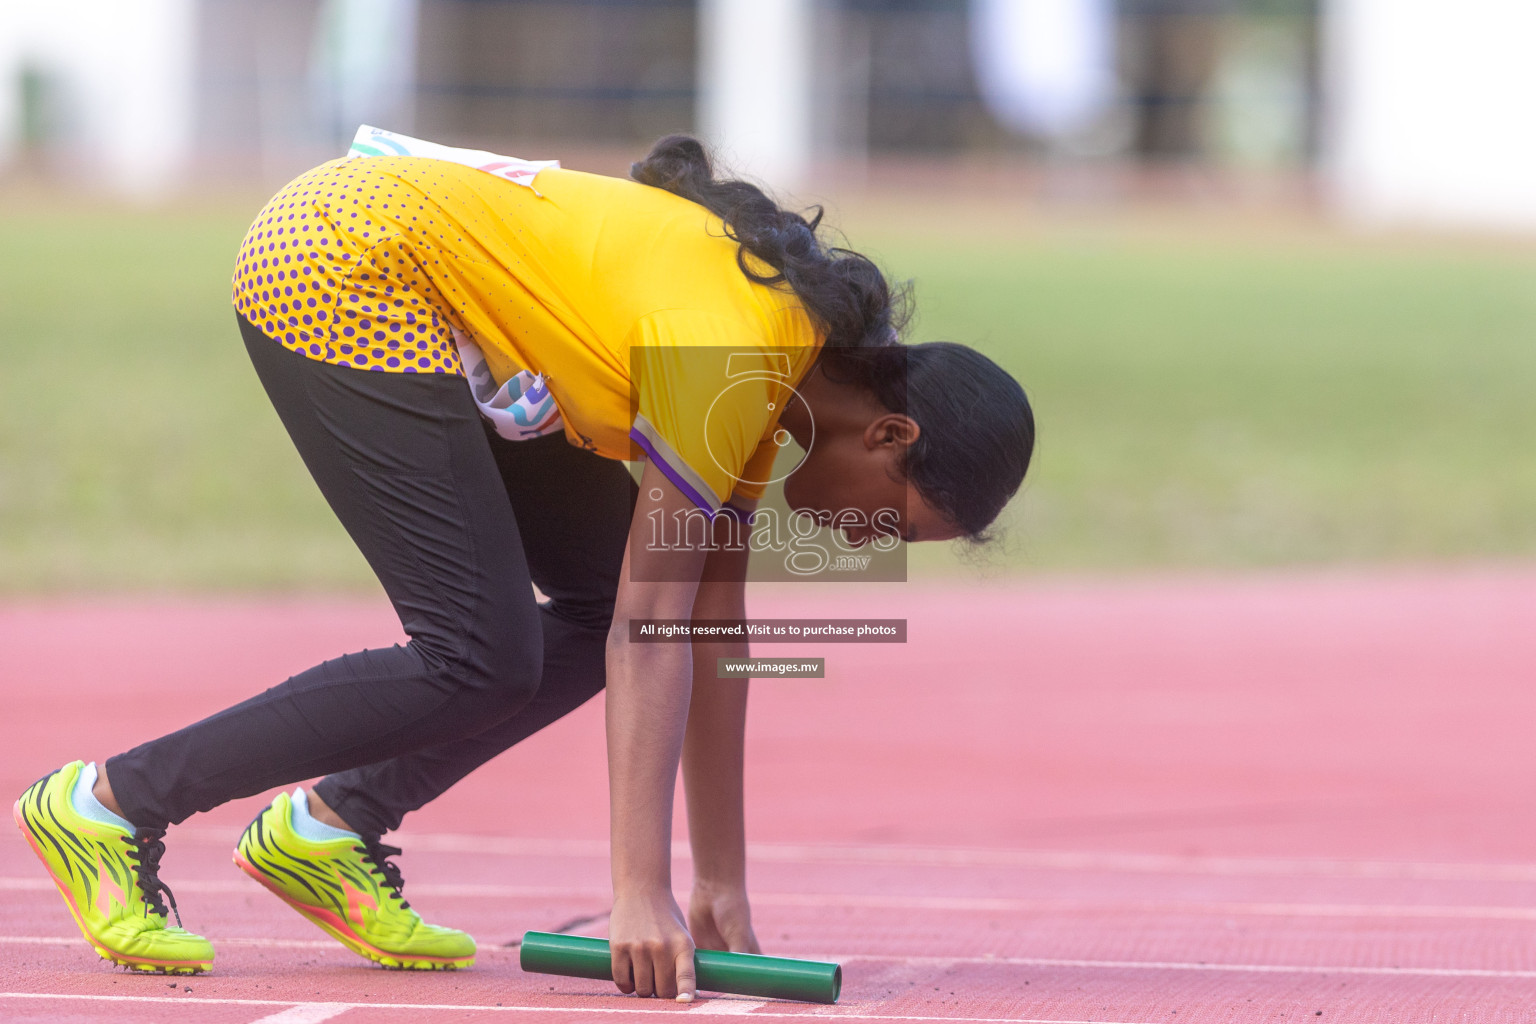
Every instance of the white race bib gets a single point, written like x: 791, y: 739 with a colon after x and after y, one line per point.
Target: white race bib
x: 370, y: 141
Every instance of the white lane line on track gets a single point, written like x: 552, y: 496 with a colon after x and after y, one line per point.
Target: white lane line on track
x: 59, y: 940
x: 946, y: 904
x: 936, y: 961
x: 850, y: 1014
x: 258, y: 943
x: 1176, y: 965
x: 305, y: 1013
x: 983, y: 904
x: 962, y: 857
x: 726, y: 1007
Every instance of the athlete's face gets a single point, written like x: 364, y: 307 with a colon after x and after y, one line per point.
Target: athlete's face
x: 851, y: 480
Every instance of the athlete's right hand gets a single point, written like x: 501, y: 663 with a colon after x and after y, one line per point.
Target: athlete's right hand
x: 652, y: 950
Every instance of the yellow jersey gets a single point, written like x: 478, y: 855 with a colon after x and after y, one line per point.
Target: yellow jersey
x: 625, y: 301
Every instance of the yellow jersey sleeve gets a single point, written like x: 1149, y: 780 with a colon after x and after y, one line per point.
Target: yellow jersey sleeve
x: 758, y: 471
x: 706, y: 400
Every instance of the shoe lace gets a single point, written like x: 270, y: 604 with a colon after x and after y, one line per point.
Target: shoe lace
x: 376, y: 855
x: 145, y: 848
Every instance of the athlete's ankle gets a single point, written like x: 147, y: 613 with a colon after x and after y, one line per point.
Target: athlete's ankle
x: 103, y: 791
x: 321, y: 812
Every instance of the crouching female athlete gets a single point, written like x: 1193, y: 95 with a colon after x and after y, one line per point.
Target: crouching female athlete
x: 463, y: 353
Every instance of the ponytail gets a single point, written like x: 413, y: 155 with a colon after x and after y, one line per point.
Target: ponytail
x: 844, y: 293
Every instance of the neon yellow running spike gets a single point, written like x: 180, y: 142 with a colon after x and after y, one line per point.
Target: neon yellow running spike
x: 350, y: 890
x: 109, y: 878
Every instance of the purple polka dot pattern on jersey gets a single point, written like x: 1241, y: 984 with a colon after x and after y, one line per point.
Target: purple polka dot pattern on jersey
x: 321, y: 272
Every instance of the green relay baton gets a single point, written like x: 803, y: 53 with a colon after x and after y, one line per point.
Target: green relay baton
x: 742, y: 974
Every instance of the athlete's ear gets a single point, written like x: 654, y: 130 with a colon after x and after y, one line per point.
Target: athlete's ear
x: 891, y: 429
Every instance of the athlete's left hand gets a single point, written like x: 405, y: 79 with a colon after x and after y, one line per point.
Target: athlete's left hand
x: 719, y: 917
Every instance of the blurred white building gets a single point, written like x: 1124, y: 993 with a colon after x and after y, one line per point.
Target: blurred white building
x: 1045, y: 66
x: 756, y: 128
x: 135, y: 95
x: 1427, y: 104
x: 109, y: 80
x: 1433, y: 111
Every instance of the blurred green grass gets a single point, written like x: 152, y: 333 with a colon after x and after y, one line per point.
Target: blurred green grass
x: 1204, y: 402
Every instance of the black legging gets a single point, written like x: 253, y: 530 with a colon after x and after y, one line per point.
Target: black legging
x: 423, y: 489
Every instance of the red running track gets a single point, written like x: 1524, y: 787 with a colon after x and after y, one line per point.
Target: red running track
x: 1277, y: 799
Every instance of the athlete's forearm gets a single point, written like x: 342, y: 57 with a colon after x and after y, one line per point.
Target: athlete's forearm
x: 649, y: 688
x: 717, y: 722
x: 712, y: 769
x: 647, y: 711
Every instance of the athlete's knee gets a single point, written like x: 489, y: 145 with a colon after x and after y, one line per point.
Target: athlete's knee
x: 513, y: 667
x: 503, y: 665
